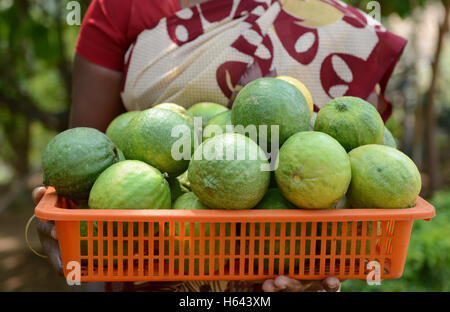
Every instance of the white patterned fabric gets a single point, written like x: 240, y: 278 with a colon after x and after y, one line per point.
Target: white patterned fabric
x: 201, y: 53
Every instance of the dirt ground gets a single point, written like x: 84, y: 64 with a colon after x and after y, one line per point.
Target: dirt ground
x: 20, y: 269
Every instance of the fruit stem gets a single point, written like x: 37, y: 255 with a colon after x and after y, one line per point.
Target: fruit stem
x: 341, y: 106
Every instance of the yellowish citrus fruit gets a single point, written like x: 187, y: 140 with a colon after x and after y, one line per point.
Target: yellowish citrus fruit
x: 302, y: 88
x: 382, y: 177
x: 314, y: 170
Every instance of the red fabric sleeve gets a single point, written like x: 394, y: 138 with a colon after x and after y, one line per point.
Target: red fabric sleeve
x: 110, y: 26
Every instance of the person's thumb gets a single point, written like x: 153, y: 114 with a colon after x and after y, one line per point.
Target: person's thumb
x: 37, y: 194
x: 331, y: 284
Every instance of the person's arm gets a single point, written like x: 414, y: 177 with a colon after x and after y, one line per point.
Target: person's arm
x: 96, y: 97
x: 96, y: 102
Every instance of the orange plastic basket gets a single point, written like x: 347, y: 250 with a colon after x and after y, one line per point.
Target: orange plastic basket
x: 156, y: 245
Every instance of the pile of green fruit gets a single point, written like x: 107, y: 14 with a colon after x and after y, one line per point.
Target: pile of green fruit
x: 344, y: 151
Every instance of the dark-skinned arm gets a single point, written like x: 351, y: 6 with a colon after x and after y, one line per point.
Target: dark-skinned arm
x: 96, y: 102
x: 96, y: 97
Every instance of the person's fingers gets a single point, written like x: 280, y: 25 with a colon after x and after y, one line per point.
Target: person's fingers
x: 53, y: 232
x: 37, y: 194
x: 44, y: 228
x: 281, y: 282
x: 285, y: 283
x: 331, y: 284
x: 51, y: 248
x: 268, y: 286
x: 47, y: 228
x: 50, y: 245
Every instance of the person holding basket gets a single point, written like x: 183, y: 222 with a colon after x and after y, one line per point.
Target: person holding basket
x: 133, y: 55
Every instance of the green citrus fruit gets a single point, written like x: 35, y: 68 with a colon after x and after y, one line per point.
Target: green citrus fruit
x: 177, y: 109
x: 130, y: 184
x: 271, y: 102
x: 226, y: 172
x: 382, y: 177
x: 312, y: 121
x: 206, y: 110
x: 313, y: 170
x: 273, y: 199
x: 74, y: 159
x: 388, y: 138
x: 161, y: 138
x: 121, y: 155
x: 189, y: 201
x: 352, y: 121
x: 117, y: 128
x: 217, y: 125
x: 302, y: 88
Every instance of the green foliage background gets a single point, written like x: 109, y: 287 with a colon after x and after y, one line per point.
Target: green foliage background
x: 36, y: 51
x: 428, y: 260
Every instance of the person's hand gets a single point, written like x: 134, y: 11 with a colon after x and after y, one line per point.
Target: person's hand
x: 286, y: 284
x: 47, y: 234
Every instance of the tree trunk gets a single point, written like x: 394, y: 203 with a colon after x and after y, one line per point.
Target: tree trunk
x: 430, y: 118
x: 418, y: 141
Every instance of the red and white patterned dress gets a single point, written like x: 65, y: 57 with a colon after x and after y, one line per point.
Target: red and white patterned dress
x: 201, y: 53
